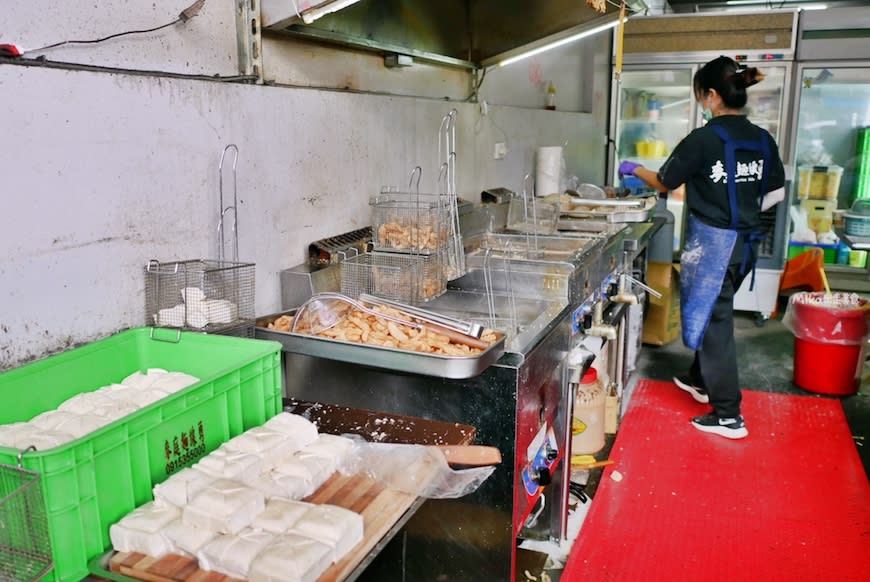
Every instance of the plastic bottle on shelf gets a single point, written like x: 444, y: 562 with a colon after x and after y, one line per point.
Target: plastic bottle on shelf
x: 653, y: 108
x: 551, y: 97
x: 587, y: 428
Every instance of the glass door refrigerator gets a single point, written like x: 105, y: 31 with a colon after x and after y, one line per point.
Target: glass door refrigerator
x: 653, y: 108
x: 831, y: 141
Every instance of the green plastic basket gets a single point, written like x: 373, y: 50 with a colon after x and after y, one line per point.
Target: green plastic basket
x: 92, y: 482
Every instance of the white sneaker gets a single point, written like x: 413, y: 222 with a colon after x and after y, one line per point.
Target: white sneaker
x: 698, y: 393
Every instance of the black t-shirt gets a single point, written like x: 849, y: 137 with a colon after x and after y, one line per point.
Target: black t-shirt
x: 699, y: 162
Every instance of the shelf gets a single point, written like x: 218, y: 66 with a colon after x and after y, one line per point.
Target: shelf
x: 657, y: 121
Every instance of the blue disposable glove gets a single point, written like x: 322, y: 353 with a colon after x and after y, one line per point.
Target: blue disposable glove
x: 627, y: 168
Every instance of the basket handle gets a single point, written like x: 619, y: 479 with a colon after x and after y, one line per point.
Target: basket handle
x: 170, y: 340
x: 21, y: 455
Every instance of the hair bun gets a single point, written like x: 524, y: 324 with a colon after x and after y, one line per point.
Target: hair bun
x: 750, y: 76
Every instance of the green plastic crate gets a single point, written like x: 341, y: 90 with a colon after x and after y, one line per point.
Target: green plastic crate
x: 92, y: 482
x: 829, y: 251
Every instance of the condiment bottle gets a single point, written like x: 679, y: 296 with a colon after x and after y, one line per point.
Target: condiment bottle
x: 551, y: 97
x: 587, y: 427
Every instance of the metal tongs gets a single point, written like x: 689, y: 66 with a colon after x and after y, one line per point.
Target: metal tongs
x: 321, y: 314
x: 464, y: 327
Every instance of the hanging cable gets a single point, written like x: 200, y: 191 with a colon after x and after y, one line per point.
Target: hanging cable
x: 184, y: 16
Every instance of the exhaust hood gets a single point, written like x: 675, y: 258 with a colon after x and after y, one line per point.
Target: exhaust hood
x: 463, y: 33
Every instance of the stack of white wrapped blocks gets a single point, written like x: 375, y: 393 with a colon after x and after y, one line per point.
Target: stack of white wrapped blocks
x: 238, y: 510
x: 87, y: 412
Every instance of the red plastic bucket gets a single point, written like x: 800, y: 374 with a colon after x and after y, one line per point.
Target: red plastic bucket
x: 828, y: 368
x: 829, y: 346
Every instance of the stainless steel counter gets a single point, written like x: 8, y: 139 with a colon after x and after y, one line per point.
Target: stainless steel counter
x: 546, y: 299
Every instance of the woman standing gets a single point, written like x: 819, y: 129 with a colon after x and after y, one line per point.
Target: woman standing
x: 732, y: 172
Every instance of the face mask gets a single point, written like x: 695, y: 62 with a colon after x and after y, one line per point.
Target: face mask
x: 707, y: 115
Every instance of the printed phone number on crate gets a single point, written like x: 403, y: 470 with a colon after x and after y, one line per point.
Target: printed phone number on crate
x: 186, y: 457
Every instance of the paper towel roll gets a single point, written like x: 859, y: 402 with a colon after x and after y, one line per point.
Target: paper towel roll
x: 548, y: 171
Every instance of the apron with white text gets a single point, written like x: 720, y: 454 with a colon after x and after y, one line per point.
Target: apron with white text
x: 708, y: 249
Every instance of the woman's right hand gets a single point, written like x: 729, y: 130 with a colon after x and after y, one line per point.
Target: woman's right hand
x: 627, y: 168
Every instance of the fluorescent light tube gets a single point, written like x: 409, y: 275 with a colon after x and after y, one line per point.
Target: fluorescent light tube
x: 558, y: 43
x: 312, y: 14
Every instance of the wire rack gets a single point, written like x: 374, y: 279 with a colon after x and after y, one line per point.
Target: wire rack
x: 410, y: 222
x: 201, y: 295
x: 403, y: 277
x: 25, y: 547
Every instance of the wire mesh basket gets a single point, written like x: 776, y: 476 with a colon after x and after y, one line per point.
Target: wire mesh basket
x: 25, y: 547
x: 408, y: 222
x: 201, y: 295
x: 403, y: 277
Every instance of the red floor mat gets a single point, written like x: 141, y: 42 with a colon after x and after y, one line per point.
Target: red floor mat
x: 789, y: 502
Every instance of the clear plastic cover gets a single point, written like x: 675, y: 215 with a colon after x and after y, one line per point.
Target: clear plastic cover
x: 832, y: 318
x: 416, y: 469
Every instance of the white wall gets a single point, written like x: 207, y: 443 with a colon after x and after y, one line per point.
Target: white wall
x: 103, y: 171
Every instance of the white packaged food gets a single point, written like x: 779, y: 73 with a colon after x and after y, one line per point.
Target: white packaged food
x: 85, y: 402
x: 224, y: 463
x: 192, y: 295
x: 291, y: 558
x: 332, y: 446
x: 267, y: 443
x: 338, y: 527
x: 81, y: 424
x: 141, y: 530
x: 172, y: 382
x: 40, y: 438
x: 186, y: 539
x: 280, y: 515
x: 112, y: 410
x: 275, y: 485
x: 232, y: 554
x: 50, y: 419
x: 9, y: 433
x: 220, y: 311
x: 136, y: 396
x: 182, y: 487
x: 320, y: 468
x: 224, y: 506
x: 303, y: 431
x: 170, y: 316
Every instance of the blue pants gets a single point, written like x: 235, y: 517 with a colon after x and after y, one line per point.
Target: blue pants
x: 715, y: 364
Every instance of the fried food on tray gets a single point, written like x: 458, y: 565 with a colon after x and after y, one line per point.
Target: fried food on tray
x: 360, y: 327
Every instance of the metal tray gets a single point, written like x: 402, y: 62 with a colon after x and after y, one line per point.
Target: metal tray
x: 454, y: 367
x: 608, y: 211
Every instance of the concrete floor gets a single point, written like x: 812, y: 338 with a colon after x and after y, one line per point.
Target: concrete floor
x: 766, y: 359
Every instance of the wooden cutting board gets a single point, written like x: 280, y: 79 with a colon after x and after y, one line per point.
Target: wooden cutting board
x: 380, y: 508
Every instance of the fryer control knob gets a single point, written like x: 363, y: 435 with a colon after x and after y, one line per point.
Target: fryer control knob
x: 587, y: 321
x: 542, y: 476
x: 552, y: 454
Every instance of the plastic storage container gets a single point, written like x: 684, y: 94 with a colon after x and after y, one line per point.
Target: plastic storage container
x: 857, y: 220
x: 93, y: 481
x: 587, y: 434
x: 830, y: 336
x: 820, y: 182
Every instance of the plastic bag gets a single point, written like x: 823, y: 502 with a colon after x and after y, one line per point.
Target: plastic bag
x: 801, y: 231
x: 830, y: 318
x: 416, y: 469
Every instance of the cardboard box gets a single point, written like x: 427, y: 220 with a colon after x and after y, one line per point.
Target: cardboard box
x: 662, y: 324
